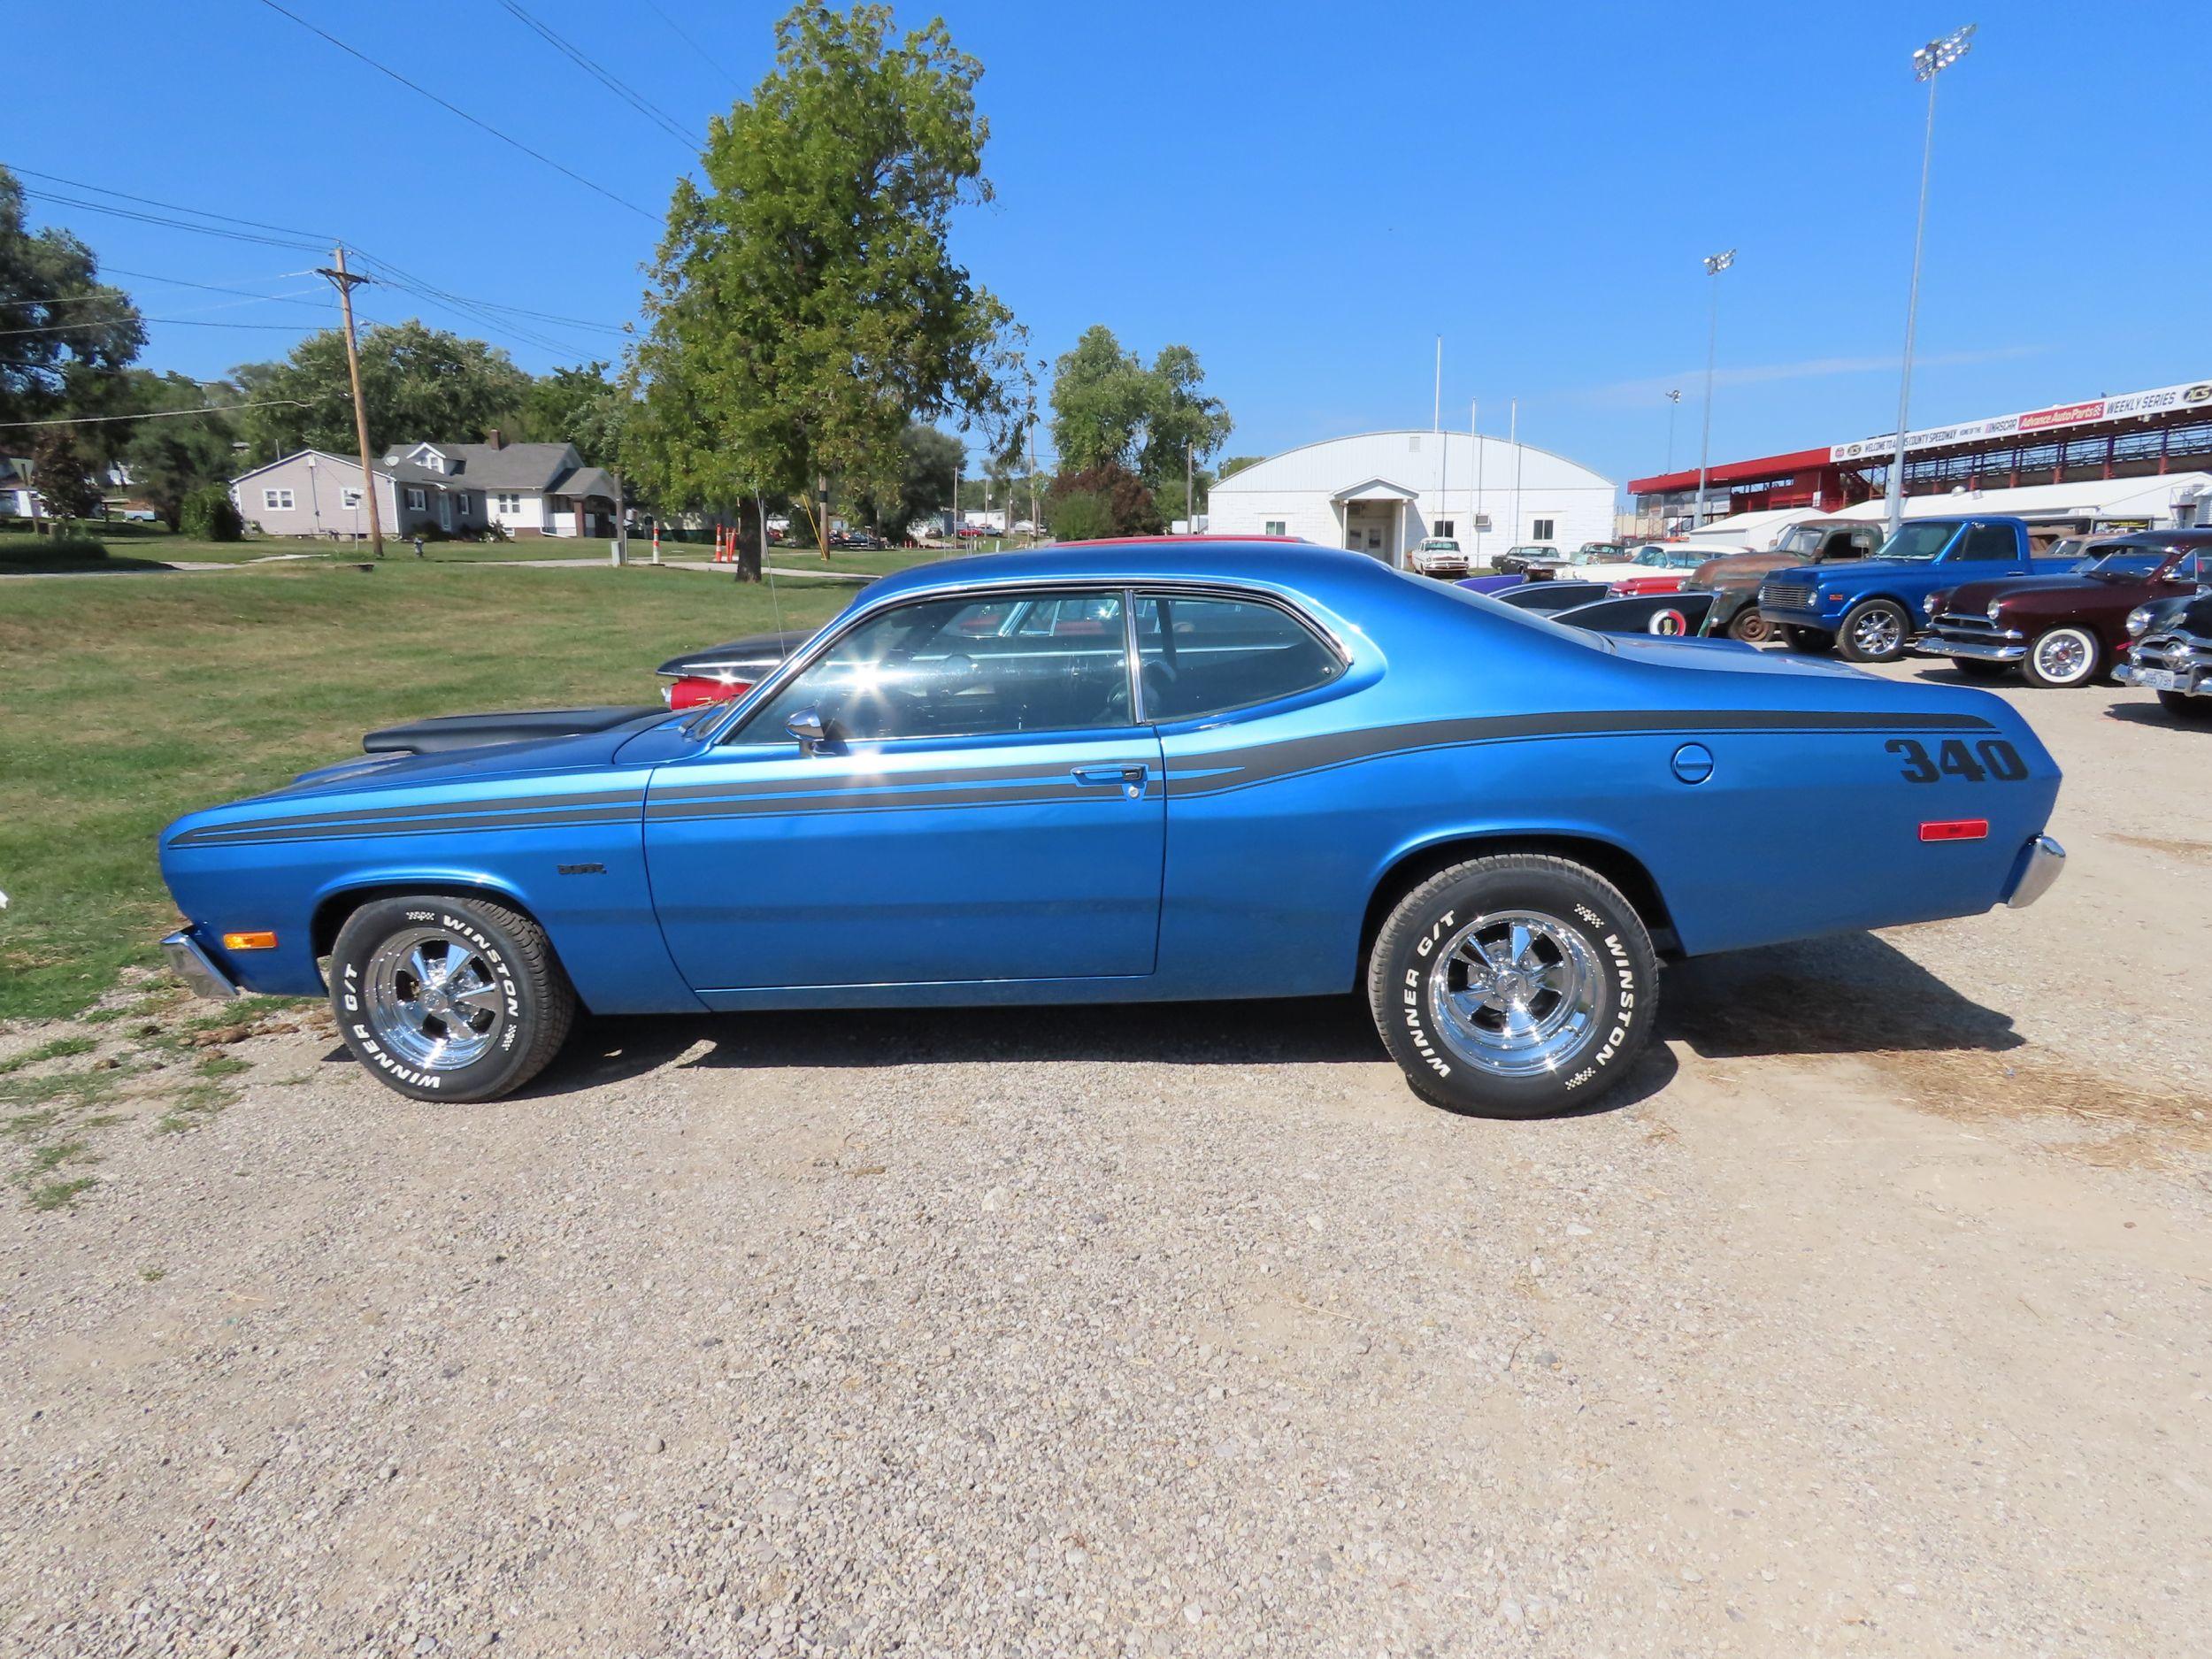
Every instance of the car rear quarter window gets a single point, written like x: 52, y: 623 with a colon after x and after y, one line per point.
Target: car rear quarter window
x: 1201, y: 656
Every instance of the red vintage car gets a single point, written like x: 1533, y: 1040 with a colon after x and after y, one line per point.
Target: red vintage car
x: 2069, y: 629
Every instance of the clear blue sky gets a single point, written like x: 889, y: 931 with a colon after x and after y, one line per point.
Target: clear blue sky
x: 1307, y: 195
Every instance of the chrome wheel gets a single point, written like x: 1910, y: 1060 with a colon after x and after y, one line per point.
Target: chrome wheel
x: 1515, y: 992
x: 433, y: 1000
x: 2064, y: 656
x: 1878, y: 633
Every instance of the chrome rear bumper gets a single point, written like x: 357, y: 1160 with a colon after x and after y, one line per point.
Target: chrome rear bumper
x: 191, y: 963
x: 1983, y: 650
x: 2045, y: 860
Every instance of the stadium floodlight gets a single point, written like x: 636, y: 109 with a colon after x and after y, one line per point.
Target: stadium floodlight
x: 1714, y: 264
x: 1927, y: 62
x: 1937, y: 55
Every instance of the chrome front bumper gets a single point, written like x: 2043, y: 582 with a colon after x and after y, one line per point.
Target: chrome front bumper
x: 2045, y: 860
x: 191, y: 963
x: 1981, y: 650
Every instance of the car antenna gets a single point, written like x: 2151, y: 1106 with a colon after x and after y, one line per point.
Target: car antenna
x: 760, y: 514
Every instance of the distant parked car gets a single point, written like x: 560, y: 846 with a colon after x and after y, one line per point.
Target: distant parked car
x: 2070, y: 629
x: 722, y: 671
x: 1514, y: 560
x: 1733, y: 577
x: 2171, y: 654
x: 1660, y: 567
x: 1438, y: 555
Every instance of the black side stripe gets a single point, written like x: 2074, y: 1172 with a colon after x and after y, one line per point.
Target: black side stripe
x: 1238, y: 768
x: 252, y: 835
x: 422, y: 809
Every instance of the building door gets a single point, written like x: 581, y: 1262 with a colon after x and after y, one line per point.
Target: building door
x: 445, y: 510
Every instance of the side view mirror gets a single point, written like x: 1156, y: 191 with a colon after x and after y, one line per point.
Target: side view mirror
x: 808, y: 727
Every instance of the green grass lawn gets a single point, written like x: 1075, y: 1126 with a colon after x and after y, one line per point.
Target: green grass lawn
x: 126, y: 703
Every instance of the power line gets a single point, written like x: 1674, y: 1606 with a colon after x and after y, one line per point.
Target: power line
x: 166, y: 221
x: 457, y: 110
x: 621, y: 89
x: 171, y: 322
x: 147, y: 201
x: 677, y: 29
x: 164, y: 414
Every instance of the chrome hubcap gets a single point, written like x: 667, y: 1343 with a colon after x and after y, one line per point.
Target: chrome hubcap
x: 1515, y: 992
x: 1877, y: 632
x: 433, y: 1000
x: 2062, y: 656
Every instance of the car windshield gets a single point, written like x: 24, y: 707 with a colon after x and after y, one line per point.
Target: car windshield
x: 1918, y: 543
x: 2133, y: 562
x: 1436, y: 545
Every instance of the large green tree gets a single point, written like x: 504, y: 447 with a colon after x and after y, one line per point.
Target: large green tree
x: 805, y: 306
x: 581, y: 406
x: 417, y: 382
x: 1109, y: 409
x: 175, y: 453
x: 67, y: 336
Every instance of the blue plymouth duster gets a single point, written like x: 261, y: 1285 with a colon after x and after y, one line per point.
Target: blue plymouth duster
x: 1133, y: 771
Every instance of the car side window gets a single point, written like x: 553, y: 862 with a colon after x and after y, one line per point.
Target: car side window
x: 1989, y: 541
x: 966, y: 668
x: 1203, y: 655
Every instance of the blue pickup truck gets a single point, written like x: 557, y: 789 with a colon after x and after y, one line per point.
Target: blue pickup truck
x: 1871, y: 611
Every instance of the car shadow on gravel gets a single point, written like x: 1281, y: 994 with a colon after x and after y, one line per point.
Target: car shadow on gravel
x: 1319, y: 1031
x: 2157, y: 714
x: 1850, y: 993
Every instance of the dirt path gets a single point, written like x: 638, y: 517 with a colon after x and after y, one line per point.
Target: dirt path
x: 1872, y: 1320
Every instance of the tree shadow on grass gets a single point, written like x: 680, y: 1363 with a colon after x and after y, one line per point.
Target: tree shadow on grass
x: 1849, y: 994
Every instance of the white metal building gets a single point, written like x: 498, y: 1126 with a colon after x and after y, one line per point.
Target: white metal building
x: 1382, y: 492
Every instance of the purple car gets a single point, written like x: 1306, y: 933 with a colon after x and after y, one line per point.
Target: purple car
x: 1493, y: 584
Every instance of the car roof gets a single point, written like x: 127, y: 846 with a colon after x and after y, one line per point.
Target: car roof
x: 1298, y: 565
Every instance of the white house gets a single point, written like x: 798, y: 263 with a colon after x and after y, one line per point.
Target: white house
x: 1383, y: 492
x: 526, y: 489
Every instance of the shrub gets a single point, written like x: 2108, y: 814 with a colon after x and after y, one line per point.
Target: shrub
x: 1080, y: 516
x: 1130, y: 510
x: 209, y: 515
x: 63, y: 546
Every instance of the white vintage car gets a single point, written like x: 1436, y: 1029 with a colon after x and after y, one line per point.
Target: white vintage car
x: 1438, y: 555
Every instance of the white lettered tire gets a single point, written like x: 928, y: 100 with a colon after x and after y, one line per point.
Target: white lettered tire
x: 447, y: 998
x: 1514, y: 986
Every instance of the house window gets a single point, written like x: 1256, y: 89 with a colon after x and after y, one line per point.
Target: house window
x: 1442, y: 527
x: 1275, y: 527
x: 461, y: 505
x: 416, y: 501
x: 510, y: 504
x: 1540, y: 529
x: 276, y: 500
x: 349, y: 497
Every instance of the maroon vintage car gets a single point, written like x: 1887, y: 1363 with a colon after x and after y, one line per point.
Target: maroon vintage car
x: 2066, y: 630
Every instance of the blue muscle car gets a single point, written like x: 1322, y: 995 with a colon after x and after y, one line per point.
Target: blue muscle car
x: 1133, y: 771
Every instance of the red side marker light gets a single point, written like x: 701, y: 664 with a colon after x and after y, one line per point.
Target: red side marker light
x: 1955, y: 829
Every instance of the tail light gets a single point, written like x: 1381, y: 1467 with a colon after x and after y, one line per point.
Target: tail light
x: 691, y: 690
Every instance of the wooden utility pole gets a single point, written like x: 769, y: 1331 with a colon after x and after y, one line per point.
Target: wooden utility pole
x: 343, y: 281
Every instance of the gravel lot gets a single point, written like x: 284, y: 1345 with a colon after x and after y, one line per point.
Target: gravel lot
x: 1871, y: 1319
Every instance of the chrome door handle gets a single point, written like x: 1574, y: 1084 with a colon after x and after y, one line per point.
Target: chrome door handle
x: 1132, y: 779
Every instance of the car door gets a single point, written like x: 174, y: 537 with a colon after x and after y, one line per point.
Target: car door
x: 982, y: 808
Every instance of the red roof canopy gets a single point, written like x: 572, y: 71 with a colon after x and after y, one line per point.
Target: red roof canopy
x: 1771, y: 466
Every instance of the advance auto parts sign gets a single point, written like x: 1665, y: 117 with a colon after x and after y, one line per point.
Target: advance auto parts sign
x: 2189, y: 393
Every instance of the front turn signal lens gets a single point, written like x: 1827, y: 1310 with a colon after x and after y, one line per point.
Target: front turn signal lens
x: 249, y: 941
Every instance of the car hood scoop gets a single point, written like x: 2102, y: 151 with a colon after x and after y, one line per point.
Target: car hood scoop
x: 445, y: 731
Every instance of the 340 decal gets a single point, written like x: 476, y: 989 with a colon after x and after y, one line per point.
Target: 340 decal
x: 1992, y: 758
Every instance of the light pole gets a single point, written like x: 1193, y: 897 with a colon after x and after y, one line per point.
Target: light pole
x: 1714, y: 264
x: 1927, y: 62
x: 1674, y: 405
